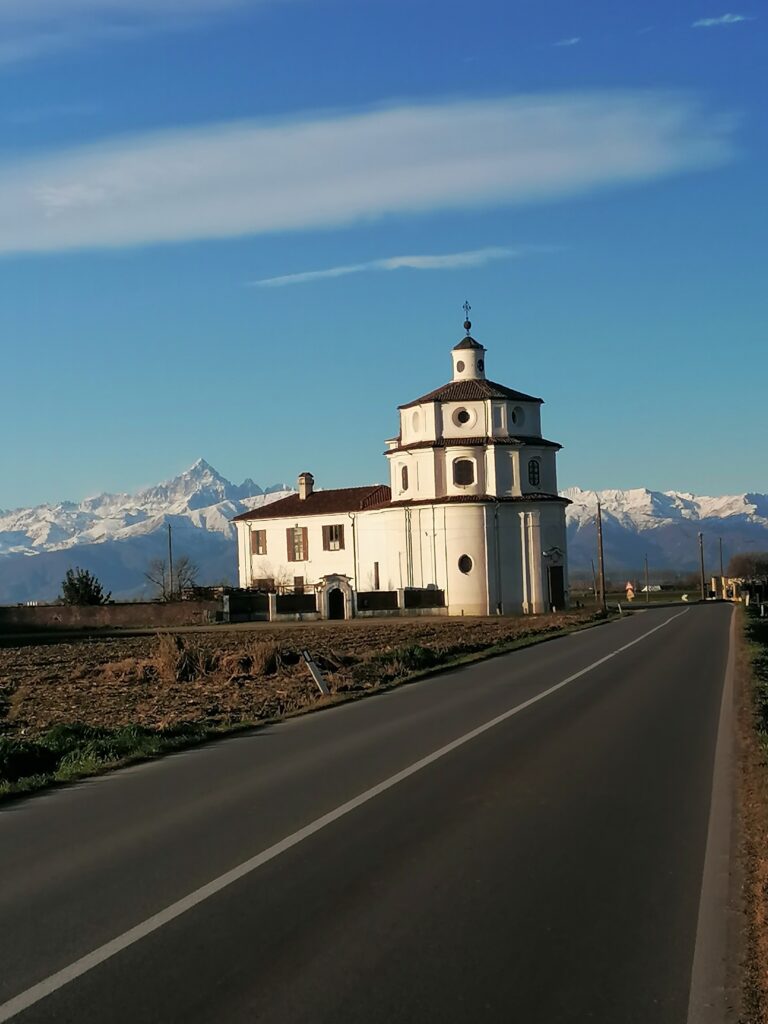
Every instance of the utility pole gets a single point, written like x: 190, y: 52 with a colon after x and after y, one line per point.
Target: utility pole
x: 722, y: 573
x: 594, y: 580
x: 600, y: 558
x: 170, y: 564
x: 647, y: 584
x: 701, y: 567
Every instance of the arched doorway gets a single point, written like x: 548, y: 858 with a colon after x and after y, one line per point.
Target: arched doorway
x: 336, y: 604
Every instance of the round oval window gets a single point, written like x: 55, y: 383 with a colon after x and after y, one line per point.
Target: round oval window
x: 480, y: 364
x: 462, y: 416
x: 416, y: 421
x: 465, y: 564
x: 460, y: 365
x: 518, y: 415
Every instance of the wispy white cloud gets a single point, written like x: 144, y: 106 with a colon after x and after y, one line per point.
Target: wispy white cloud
x: 448, y: 261
x: 571, y: 41
x: 248, y: 178
x: 33, y: 28
x: 723, y: 19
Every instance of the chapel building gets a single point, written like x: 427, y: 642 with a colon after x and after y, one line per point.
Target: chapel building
x: 471, y: 510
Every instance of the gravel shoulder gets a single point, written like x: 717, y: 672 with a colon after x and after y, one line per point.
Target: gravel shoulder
x: 752, y: 680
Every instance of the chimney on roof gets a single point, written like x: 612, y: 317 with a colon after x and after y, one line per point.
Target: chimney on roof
x: 306, y: 485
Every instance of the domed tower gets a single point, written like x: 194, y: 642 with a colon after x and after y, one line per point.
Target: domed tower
x: 477, y: 444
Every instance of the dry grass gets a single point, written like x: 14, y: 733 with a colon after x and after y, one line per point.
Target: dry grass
x: 753, y: 814
x: 224, y: 677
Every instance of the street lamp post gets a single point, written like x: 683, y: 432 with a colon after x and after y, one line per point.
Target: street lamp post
x: 701, y: 567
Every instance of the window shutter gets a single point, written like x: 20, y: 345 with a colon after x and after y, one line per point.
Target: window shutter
x: 305, y: 542
x: 326, y: 538
x: 254, y: 542
x: 341, y: 536
x: 289, y: 542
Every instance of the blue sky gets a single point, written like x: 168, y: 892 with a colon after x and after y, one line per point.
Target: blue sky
x: 590, y: 176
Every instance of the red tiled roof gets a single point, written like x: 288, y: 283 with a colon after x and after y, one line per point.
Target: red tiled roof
x: 466, y: 499
x: 471, y: 390
x: 322, y: 503
x: 459, y: 442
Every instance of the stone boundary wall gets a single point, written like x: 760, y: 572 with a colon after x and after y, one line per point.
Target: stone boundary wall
x: 133, y: 615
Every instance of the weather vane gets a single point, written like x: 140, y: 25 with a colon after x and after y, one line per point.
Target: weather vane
x: 467, y: 322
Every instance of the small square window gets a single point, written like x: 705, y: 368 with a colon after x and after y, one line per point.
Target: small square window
x: 333, y: 537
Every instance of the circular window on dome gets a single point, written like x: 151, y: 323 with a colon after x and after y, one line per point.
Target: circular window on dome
x: 460, y: 365
x: 480, y: 364
x: 518, y: 416
x: 416, y: 420
x: 465, y: 564
x: 464, y: 417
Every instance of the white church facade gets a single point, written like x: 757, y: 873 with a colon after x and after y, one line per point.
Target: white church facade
x: 471, y: 510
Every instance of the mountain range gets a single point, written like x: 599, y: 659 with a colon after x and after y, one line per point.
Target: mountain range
x: 115, y: 536
x: 664, y: 525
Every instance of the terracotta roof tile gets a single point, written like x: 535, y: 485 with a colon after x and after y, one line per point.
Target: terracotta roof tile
x: 460, y: 442
x: 322, y: 503
x: 468, y: 499
x: 471, y: 390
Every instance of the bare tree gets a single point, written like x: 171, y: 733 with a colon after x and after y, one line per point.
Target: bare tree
x: 184, y: 575
x: 749, y: 565
x: 280, y: 578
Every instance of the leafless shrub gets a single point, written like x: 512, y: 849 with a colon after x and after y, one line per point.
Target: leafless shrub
x: 265, y: 658
x: 182, y: 662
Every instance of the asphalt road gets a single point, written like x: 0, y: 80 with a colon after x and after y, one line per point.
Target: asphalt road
x: 546, y: 867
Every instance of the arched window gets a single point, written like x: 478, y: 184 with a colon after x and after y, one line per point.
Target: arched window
x: 534, y: 472
x: 463, y: 472
x: 404, y: 478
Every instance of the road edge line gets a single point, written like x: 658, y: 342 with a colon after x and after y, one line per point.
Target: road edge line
x: 35, y: 993
x: 707, y: 1000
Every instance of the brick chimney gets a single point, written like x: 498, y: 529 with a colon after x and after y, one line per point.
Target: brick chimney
x: 306, y: 485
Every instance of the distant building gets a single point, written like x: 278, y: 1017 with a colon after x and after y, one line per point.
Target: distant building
x: 472, y: 509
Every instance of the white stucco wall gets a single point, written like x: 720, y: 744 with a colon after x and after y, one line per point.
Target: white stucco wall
x: 421, y: 546
x: 275, y: 564
x: 519, y: 534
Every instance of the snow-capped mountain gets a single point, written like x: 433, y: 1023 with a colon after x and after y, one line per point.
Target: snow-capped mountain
x: 116, y: 535
x: 665, y: 526
x: 200, y: 495
x: 120, y: 533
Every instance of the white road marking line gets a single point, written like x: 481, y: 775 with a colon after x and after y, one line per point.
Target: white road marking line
x: 97, y: 956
